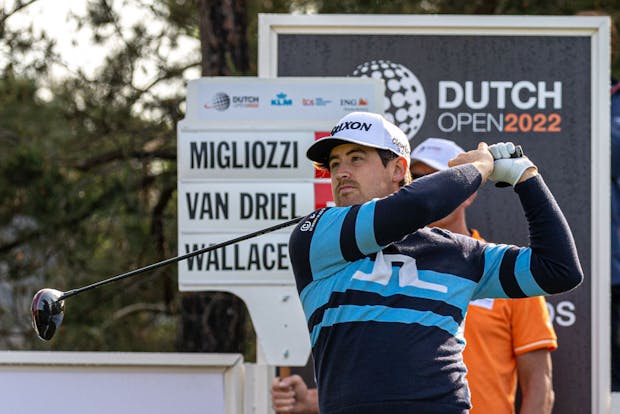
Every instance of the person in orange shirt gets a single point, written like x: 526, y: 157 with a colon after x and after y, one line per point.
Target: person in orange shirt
x: 508, y: 340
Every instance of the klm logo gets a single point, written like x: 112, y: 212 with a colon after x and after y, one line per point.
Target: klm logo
x: 281, y: 100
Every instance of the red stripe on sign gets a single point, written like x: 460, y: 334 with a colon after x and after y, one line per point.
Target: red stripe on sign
x: 323, y: 195
x: 321, y: 173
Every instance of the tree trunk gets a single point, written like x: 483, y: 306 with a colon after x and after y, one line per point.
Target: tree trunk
x: 213, y: 322
x: 216, y: 321
x: 223, y: 37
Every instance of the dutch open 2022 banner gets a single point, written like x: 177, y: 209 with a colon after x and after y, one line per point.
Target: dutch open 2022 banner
x: 532, y: 90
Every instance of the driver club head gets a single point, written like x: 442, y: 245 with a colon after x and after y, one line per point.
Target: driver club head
x: 47, y: 312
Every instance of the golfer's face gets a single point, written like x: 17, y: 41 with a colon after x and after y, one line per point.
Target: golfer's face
x: 358, y: 175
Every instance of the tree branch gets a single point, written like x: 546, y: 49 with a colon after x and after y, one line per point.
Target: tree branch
x: 105, y: 158
x: 18, y: 7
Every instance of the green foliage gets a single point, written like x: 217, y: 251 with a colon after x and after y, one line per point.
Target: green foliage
x: 81, y: 176
x: 86, y: 179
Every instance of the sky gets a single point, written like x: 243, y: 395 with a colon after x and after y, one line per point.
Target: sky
x: 52, y: 17
x: 73, y: 44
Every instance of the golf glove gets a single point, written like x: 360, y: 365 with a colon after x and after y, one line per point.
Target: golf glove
x: 508, y: 166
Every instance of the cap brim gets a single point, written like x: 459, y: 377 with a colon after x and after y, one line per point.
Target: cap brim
x: 430, y: 162
x: 320, y: 149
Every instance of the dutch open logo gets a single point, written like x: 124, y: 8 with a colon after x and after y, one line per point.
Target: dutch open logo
x: 405, y: 101
x: 220, y: 101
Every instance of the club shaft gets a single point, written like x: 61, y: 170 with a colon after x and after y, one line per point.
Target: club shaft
x: 157, y: 265
x: 69, y: 293
x: 518, y: 152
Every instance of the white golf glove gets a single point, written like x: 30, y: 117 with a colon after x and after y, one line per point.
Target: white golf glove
x: 507, y: 169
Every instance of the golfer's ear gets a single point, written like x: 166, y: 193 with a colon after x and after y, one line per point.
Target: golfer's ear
x: 400, y: 170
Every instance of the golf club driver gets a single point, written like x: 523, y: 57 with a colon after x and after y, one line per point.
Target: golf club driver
x: 48, y: 305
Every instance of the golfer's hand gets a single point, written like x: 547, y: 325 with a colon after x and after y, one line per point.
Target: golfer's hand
x: 511, y: 166
x: 481, y: 158
x: 291, y: 395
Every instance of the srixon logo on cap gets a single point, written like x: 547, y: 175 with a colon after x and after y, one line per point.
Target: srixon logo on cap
x: 364, y: 126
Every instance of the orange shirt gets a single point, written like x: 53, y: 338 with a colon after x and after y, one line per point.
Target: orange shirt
x: 496, y: 331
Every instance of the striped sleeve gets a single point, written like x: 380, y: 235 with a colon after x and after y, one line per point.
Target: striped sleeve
x: 550, y: 265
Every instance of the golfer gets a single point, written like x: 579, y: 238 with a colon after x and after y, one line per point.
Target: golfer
x: 384, y: 296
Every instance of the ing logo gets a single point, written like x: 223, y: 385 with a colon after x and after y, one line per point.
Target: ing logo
x: 405, y: 101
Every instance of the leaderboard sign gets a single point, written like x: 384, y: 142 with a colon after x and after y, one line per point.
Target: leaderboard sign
x: 242, y: 167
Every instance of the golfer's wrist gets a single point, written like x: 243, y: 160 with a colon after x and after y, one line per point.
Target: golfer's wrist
x: 527, y: 174
x: 485, y: 169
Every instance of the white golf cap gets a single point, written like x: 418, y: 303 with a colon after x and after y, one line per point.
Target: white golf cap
x: 436, y: 152
x: 364, y: 128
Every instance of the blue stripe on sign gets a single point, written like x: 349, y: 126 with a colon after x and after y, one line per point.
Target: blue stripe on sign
x: 490, y: 286
x: 365, y: 229
x: 525, y: 278
x: 352, y: 313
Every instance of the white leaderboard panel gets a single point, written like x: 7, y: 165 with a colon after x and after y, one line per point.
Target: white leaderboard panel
x: 261, y: 260
x: 216, y: 206
x: 235, y: 101
x: 251, y: 154
x: 242, y: 167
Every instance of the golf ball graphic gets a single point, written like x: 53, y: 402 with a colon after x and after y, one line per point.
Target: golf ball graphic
x: 221, y: 101
x: 405, y: 101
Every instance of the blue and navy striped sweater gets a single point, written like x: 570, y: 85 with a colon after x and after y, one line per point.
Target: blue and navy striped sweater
x: 385, y: 297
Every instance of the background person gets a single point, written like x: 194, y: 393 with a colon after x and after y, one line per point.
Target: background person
x: 384, y: 296
x: 292, y: 395
x: 506, y: 338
